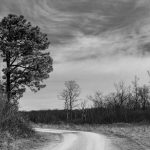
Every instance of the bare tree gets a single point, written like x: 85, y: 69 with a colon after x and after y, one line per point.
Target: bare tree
x: 121, y: 94
x: 135, y: 93
x: 83, y: 108
x: 143, y: 93
x: 130, y: 103
x: 111, y: 100
x: 65, y: 97
x: 97, y: 99
x: 70, y: 95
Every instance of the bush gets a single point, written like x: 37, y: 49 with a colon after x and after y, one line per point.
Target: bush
x: 10, y: 119
x: 17, y: 126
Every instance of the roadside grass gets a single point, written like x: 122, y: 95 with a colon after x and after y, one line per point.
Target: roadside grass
x: 128, y: 136
x: 124, y: 136
x: 37, y: 141
x: 16, y: 133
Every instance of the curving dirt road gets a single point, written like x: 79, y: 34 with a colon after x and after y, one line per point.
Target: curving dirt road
x: 78, y: 140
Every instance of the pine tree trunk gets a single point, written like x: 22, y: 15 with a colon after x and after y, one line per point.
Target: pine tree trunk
x: 8, y: 78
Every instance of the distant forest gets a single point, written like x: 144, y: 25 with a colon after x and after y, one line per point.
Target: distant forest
x: 92, y: 116
x: 127, y: 104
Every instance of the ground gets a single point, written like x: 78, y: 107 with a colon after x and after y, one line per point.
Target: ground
x: 124, y: 136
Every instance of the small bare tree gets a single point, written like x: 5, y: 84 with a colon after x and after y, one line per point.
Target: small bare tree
x: 83, y: 108
x: 97, y: 99
x: 111, y: 100
x: 143, y: 93
x: 70, y: 95
x: 136, y: 93
x: 121, y: 94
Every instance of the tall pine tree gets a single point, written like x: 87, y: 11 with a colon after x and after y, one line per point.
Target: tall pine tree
x: 22, y: 48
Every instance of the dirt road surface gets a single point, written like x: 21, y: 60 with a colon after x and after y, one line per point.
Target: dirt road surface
x: 78, y: 140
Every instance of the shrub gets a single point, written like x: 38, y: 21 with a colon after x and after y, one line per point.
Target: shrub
x: 10, y: 119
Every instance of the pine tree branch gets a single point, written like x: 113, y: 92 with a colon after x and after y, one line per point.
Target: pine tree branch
x: 13, y: 61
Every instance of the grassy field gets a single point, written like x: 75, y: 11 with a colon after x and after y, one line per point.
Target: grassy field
x: 124, y: 136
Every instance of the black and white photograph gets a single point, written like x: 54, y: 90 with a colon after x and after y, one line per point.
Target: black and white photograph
x: 74, y: 74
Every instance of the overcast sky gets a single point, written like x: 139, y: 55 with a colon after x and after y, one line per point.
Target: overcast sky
x: 95, y: 42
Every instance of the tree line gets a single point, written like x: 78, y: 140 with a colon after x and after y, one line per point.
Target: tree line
x: 125, y: 104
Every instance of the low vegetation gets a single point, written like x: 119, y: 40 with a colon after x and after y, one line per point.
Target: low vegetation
x: 7, y: 142
x: 125, y: 136
x: 13, y: 125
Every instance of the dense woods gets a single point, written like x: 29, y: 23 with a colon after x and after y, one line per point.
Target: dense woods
x: 125, y: 104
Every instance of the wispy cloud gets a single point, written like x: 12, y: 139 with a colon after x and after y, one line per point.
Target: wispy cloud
x: 62, y: 18
x: 84, y: 29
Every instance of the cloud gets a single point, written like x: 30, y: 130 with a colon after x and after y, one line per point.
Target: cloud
x: 83, y: 29
x: 61, y: 18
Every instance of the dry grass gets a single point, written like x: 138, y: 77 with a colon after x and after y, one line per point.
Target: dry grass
x: 32, y: 143
x: 128, y: 136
